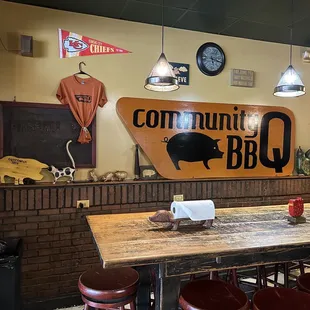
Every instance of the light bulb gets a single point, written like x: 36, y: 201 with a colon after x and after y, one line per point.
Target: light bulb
x: 162, y: 69
x: 290, y: 77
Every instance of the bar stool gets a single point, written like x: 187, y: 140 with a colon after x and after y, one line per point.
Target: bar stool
x: 286, y: 269
x: 212, y: 295
x: 272, y: 298
x: 109, y: 288
x: 303, y: 283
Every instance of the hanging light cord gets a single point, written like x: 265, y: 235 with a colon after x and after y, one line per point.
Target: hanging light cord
x: 292, y: 23
x: 162, y: 27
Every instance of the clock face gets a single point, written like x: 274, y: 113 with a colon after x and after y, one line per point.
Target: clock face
x: 210, y: 59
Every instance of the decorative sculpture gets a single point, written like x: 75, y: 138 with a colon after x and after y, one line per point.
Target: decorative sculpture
x: 299, y: 160
x: 107, y: 177
x: 121, y: 175
x: 92, y: 176
x: 164, y: 216
x: 64, y: 172
x: 20, y: 169
x: 114, y: 176
x: 305, y: 161
x: 201, y: 211
x: 148, y: 172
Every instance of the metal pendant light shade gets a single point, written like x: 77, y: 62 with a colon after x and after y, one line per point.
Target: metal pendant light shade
x: 162, y: 77
x: 290, y: 84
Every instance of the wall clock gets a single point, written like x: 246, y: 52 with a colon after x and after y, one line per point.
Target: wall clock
x: 210, y: 59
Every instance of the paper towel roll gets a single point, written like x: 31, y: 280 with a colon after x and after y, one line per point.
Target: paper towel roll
x: 196, y: 210
x: 176, y: 209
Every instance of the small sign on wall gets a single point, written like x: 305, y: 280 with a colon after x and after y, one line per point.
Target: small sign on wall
x: 242, y: 78
x: 181, y: 71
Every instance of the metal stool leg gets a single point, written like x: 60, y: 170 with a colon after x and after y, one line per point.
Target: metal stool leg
x: 132, y: 305
x: 258, y: 280
x: 214, y: 275
x: 286, y: 275
x: 234, y: 277
x: 301, y: 267
x: 276, y: 274
x: 264, y: 276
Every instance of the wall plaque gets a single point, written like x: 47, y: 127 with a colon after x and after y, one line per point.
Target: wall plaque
x: 181, y: 71
x: 242, y: 78
x: 201, y: 140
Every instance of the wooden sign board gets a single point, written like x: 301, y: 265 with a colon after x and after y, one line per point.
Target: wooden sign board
x: 201, y: 140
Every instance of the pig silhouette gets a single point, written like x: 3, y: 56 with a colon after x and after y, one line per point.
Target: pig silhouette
x: 192, y: 147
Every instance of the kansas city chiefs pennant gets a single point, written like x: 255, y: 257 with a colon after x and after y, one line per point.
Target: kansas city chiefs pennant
x: 72, y: 45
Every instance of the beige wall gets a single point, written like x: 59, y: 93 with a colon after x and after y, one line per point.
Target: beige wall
x: 36, y: 79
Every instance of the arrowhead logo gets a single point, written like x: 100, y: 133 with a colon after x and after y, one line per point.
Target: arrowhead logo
x: 72, y: 45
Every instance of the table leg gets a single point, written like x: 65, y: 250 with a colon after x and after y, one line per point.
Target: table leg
x: 167, y: 291
x: 144, y: 290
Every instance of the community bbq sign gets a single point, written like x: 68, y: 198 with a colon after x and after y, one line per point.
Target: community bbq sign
x: 201, y: 140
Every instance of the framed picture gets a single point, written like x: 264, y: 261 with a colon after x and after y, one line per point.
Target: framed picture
x: 148, y: 173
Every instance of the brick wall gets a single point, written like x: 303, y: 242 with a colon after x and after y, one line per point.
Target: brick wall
x: 58, y: 243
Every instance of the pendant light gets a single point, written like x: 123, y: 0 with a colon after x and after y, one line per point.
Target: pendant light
x: 290, y: 84
x: 162, y: 77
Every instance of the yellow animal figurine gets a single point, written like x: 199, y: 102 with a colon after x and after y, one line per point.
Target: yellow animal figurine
x: 20, y: 168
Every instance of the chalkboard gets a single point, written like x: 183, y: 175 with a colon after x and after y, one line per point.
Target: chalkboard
x: 41, y: 131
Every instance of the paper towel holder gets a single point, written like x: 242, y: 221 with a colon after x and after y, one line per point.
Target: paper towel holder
x: 166, y: 217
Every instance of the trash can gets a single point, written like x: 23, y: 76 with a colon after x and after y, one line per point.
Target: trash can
x: 10, y: 273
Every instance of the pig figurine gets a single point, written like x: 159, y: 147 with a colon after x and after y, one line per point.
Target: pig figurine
x: 164, y: 216
x: 192, y: 147
x: 120, y: 175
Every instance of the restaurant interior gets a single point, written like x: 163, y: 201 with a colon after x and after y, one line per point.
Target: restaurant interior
x: 154, y: 155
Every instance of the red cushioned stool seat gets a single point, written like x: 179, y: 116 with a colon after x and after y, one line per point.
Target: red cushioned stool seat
x: 109, y: 288
x: 303, y: 282
x: 213, y: 295
x: 275, y: 298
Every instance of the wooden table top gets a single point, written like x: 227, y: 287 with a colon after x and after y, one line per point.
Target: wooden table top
x: 131, y: 239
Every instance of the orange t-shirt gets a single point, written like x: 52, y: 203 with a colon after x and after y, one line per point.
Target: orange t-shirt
x: 83, y: 97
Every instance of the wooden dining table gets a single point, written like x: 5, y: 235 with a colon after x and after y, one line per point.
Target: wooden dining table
x: 239, y: 237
